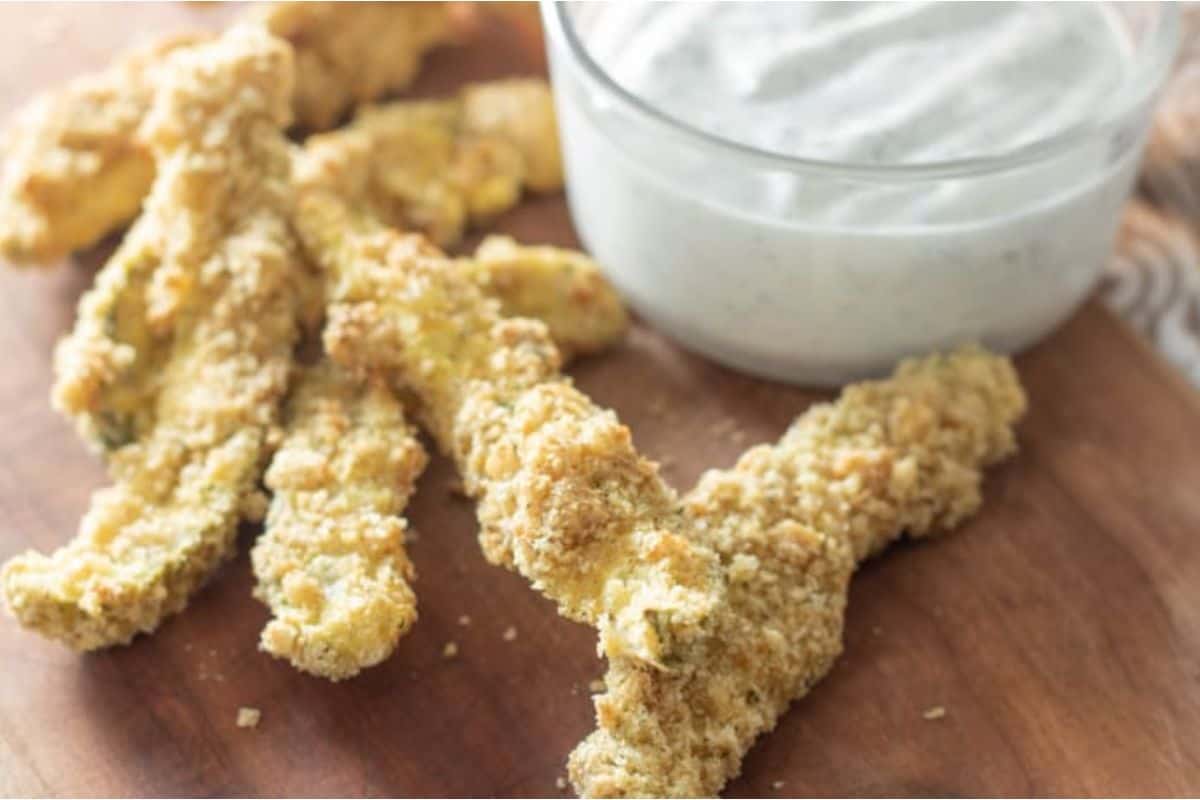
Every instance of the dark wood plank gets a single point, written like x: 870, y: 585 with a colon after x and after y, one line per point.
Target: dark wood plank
x: 1060, y: 629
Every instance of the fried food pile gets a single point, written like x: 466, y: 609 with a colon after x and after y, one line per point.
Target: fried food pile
x: 279, y: 314
x: 190, y: 413
x: 564, y: 497
x: 77, y: 163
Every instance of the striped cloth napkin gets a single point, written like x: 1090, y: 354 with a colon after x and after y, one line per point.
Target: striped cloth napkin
x: 1153, y: 278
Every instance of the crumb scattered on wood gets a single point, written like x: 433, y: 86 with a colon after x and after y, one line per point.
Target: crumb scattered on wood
x: 510, y: 633
x: 777, y: 785
x: 248, y: 717
x: 936, y: 712
x: 411, y: 535
x: 450, y: 650
x: 464, y: 620
x: 560, y: 782
x: 597, y: 685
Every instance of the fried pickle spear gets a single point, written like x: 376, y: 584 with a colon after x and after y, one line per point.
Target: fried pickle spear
x: 352, y: 53
x: 564, y: 497
x: 215, y: 235
x: 438, y: 166
x: 122, y: 318
x: 75, y: 168
x: 791, y: 522
x: 339, y: 592
x: 331, y: 563
x: 563, y: 288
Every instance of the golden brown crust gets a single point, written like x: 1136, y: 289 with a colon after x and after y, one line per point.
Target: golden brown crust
x: 790, y: 522
x: 563, y: 288
x: 520, y: 110
x: 352, y: 53
x: 75, y: 168
x: 215, y: 241
x: 336, y: 614
x: 439, y: 166
x: 415, y: 166
x: 564, y: 497
x: 330, y: 562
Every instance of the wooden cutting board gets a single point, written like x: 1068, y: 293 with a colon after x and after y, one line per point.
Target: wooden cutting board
x: 1060, y: 629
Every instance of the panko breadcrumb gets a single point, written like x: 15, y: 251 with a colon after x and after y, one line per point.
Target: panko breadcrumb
x: 439, y: 166
x: 521, y: 111
x: 419, y: 166
x: 791, y: 522
x: 331, y: 562
x: 76, y: 168
x: 216, y: 238
x: 563, y: 288
x: 351, y: 53
x: 564, y: 497
x: 934, y: 713
x: 248, y: 717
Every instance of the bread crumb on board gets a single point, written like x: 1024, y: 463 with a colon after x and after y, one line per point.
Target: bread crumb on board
x: 510, y: 633
x: 597, y: 685
x: 777, y: 785
x: 248, y: 717
x: 464, y: 620
x: 450, y: 650
x: 560, y: 782
x: 935, y: 712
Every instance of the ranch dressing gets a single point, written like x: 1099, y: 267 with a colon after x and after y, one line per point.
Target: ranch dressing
x: 875, y: 83
x: 822, y: 277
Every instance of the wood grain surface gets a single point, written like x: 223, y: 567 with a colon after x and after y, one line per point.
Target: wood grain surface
x: 1060, y: 629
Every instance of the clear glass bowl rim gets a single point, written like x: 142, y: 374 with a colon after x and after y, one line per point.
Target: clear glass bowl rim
x: 1150, y: 70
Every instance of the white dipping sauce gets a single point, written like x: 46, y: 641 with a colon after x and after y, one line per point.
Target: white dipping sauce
x: 821, y: 277
x: 880, y: 83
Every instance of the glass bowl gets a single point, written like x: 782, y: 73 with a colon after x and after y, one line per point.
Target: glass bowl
x: 821, y: 272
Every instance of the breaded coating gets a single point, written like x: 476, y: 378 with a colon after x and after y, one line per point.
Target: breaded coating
x: 520, y: 110
x: 330, y: 562
x: 563, y: 288
x: 75, y: 168
x: 439, y: 166
x: 791, y: 522
x: 565, y: 498
x: 215, y: 236
x: 409, y: 165
x: 352, y: 53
